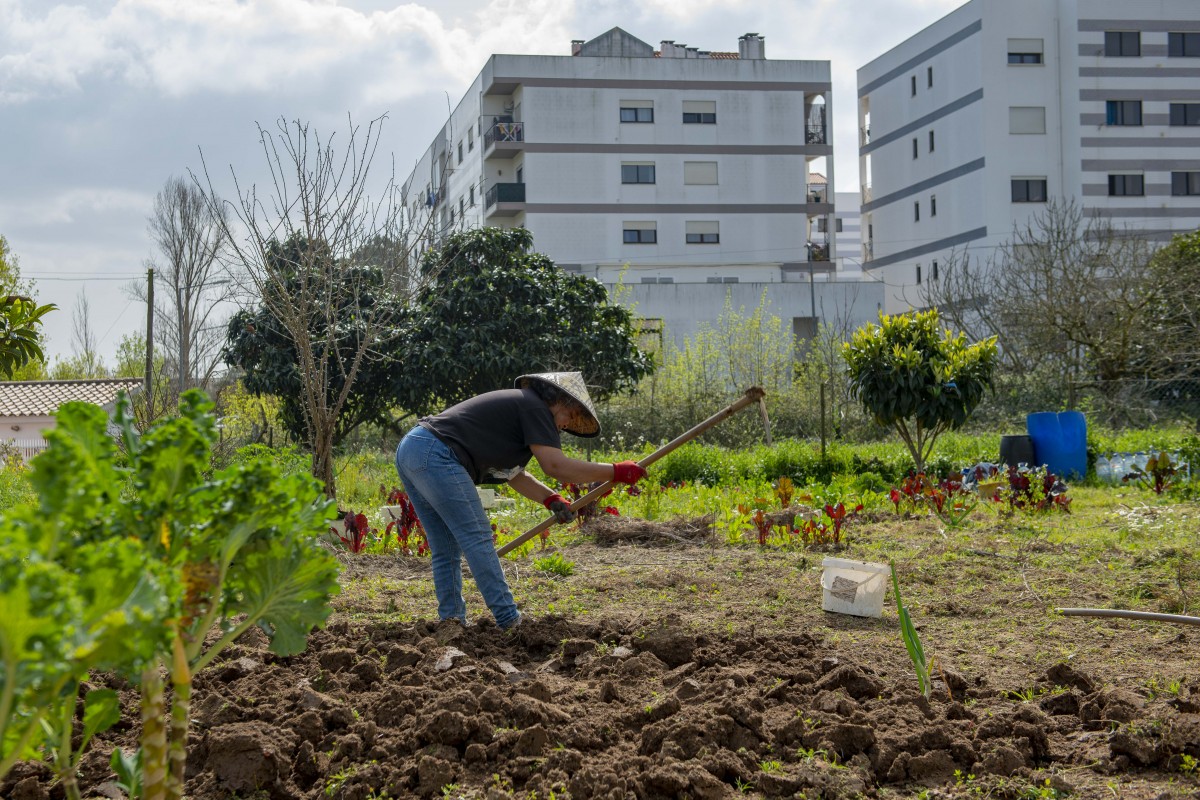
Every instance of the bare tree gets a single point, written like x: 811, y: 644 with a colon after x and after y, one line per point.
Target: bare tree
x: 83, y: 338
x: 1067, y: 295
x: 319, y: 196
x: 191, y: 235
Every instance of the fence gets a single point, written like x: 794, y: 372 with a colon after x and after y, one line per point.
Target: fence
x: 25, y: 448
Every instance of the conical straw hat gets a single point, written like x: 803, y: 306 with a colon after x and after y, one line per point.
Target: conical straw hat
x: 571, y: 383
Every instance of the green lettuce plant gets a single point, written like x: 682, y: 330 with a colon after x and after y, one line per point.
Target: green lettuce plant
x: 202, y: 551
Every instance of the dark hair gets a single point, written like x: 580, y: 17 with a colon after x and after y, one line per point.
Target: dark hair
x: 550, y: 393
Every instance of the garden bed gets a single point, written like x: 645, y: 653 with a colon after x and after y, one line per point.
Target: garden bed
x: 702, y: 671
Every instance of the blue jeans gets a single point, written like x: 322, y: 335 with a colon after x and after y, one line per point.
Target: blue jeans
x: 451, y: 512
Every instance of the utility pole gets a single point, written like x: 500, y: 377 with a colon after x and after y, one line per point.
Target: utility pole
x: 149, y: 379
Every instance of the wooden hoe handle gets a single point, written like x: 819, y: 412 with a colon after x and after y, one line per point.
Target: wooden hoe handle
x: 753, y: 395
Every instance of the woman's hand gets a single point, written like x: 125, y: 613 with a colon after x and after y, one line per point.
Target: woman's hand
x: 629, y: 472
x: 557, y: 505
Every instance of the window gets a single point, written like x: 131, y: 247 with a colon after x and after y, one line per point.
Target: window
x: 1025, y: 51
x: 462, y: 206
x: 702, y: 233
x: 914, y: 147
x: 700, y: 173
x: 722, y: 280
x: 1185, y: 113
x: 700, y: 112
x: 521, y: 174
x: 1026, y: 119
x: 1183, y: 45
x: 472, y: 193
x: 1029, y: 190
x: 470, y: 139
x: 1122, y: 43
x: 933, y: 205
x: 821, y: 225
x: 933, y: 271
x: 931, y: 141
x: 460, y: 152
x: 1185, y: 184
x: 917, y: 211
x: 637, y: 111
x: 914, y: 85
x: 1123, y: 112
x: 639, y: 232
x: 637, y: 173
x: 1126, y: 186
x: 918, y: 273
x: 929, y: 78
x: 837, y: 225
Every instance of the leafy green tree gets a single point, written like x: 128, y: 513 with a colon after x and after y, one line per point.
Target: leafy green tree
x: 20, y: 332
x: 916, y: 378
x: 496, y: 310
x: 266, y: 351
x: 20, y: 321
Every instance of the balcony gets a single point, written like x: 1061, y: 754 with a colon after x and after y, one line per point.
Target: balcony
x: 504, y: 140
x: 504, y: 200
x: 814, y: 133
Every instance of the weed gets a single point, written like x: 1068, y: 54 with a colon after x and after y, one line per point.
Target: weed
x: 338, y: 779
x: 743, y: 786
x: 770, y: 767
x: 1189, y: 765
x: 1155, y: 689
x: 555, y: 564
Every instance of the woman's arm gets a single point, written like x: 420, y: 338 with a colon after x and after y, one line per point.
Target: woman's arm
x: 560, y: 466
x: 528, y: 486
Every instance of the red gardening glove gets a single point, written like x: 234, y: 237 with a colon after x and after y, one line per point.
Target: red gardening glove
x: 628, y: 472
x: 557, y: 505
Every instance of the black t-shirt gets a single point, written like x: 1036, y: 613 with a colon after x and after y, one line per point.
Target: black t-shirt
x: 491, y: 433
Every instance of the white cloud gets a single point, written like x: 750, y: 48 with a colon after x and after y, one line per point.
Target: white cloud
x: 226, y: 46
x: 69, y: 206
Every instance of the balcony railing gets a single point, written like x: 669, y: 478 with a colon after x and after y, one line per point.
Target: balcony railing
x: 502, y: 193
x: 814, y: 133
x: 504, y: 132
x: 864, y: 136
x: 818, y: 193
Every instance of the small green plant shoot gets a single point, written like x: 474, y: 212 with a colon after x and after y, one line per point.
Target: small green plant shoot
x: 911, y: 640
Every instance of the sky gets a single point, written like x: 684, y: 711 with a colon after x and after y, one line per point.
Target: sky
x: 102, y: 102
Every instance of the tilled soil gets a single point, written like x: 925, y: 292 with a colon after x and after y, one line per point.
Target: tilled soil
x: 608, y: 709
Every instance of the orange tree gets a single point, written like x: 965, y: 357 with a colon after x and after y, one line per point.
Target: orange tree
x: 916, y: 378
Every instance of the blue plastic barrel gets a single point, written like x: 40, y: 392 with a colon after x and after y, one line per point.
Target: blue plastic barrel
x: 1060, y: 441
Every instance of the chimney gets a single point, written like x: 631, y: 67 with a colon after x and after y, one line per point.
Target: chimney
x: 752, y: 46
x: 693, y: 52
x: 576, y: 46
x: 667, y: 48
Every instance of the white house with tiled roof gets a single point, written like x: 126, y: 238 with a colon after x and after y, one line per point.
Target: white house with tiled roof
x: 27, y: 407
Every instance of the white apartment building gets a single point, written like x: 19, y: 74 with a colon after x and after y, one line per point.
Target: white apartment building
x: 655, y: 169
x: 847, y: 231
x: 968, y: 127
